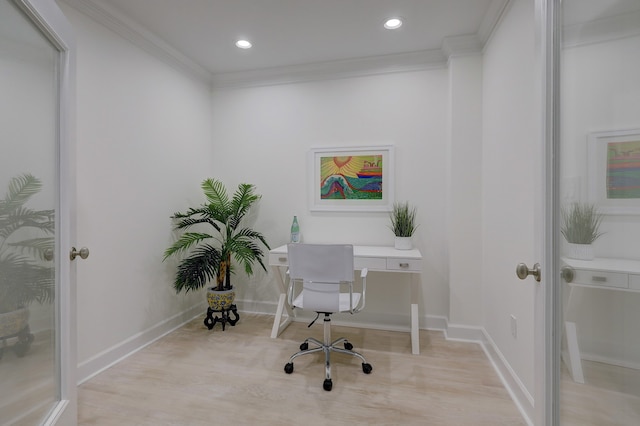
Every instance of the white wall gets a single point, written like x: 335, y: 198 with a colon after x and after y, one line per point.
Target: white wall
x: 143, y: 146
x: 262, y: 135
x: 511, y: 173
x: 601, y: 92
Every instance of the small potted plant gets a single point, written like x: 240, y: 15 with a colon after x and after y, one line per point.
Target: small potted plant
x: 26, y: 249
x: 403, y: 225
x: 580, y: 227
x: 219, y: 238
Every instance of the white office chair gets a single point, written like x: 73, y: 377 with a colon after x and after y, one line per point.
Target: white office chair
x: 323, y: 269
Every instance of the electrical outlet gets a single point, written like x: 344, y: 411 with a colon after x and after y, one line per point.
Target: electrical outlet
x: 514, y: 327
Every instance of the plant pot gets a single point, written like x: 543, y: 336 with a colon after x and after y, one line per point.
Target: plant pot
x: 403, y: 243
x: 220, y: 300
x: 11, y: 323
x: 580, y: 251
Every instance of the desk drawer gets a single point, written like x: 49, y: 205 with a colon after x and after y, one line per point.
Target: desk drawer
x: 371, y: 263
x: 601, y: 278
x: 278, y: 259
x: 411, y: 265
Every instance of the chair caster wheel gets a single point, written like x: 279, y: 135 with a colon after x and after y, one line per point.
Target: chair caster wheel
x: 327, y: 385
x: 288, y: 368
x: 304, y: 346
x: 366, y: 368
x: 348, y: 346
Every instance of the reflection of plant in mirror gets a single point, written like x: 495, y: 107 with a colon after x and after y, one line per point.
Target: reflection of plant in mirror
x: 25, y: 237
x: 580, y: 223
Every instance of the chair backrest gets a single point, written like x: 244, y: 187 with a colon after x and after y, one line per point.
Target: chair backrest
x: 321, y: 268
x: 329, y: 263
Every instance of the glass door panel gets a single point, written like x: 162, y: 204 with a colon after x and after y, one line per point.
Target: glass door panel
x: 28, y: 199
x: 600, y: 169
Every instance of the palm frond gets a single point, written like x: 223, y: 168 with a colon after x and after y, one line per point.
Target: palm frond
x: 35, y: 247
x: 198, y: 269
x: 186, y: 241
x: 21, y: 188
x: 216, y: 193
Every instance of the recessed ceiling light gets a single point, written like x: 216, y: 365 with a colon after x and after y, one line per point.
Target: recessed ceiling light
x: 393, y: 23
x: 243, y: 44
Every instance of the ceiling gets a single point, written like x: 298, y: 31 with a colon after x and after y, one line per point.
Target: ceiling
x: 289, y: 33
x: 307, y: 36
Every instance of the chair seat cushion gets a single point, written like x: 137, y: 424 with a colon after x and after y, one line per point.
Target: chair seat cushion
x: 344, y: 301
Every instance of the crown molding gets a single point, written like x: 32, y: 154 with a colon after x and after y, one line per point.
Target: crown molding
x: 461, y: 46
x: 491, y: 19
x: 373, y: 65
x: 602, y: 30
x: 139, y: 36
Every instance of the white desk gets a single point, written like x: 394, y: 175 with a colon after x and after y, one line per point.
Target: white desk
x: 602, y: 273
x: 374, y: 258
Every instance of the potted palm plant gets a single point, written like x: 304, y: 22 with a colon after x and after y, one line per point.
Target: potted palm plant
x: 218, y: 238
x: 580, y: 227
x: 403, y: 225
x: 26, y: 246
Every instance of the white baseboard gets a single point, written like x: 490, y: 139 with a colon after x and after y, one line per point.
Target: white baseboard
x: 519, y: 394
x: 610, y: 360
x: 116, y: 353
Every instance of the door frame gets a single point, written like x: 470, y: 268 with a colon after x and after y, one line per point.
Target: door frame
x: 49, y: 19
x: 547, y: 300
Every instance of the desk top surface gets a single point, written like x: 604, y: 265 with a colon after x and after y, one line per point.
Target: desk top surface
x: 370, y: 251
x: 605, y: 264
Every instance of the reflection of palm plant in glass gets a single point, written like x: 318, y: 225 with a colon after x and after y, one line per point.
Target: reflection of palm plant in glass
x: 403, y: 220
x: 210, y: 255
x: 23, y: 277
x: 580, y: 223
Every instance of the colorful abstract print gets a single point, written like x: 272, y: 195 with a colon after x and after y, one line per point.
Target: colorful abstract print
x: 623, y: 170
x: 357, y: 177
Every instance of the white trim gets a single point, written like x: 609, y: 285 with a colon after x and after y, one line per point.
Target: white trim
x: 601, y: 30
x: 609, y: 360
x: 139, y: 36
x: 467, y: 45
x: 116, y: 353
x: 374, y: 65
x: 516, y: 389
x: 491, y: 19
x: 348, y: 68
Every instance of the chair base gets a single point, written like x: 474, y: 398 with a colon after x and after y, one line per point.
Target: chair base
x: 327, y: 347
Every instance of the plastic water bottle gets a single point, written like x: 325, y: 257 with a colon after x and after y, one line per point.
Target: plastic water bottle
x: 295, y: 230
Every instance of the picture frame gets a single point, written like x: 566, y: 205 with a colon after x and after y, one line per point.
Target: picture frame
x: 613, y: 171
x: 351, y: 179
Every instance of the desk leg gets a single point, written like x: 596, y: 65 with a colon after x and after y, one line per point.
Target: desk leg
x: 415, y: 319
x: 278, y: 325
x: 574, y: 352
x: 573, y: 348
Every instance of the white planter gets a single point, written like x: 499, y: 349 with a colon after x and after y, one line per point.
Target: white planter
x: 403, y: 243
x: 580, y: 251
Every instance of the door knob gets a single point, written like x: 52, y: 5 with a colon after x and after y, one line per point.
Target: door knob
x: 567, y: 273
x: 48, y: 254
x: 523, y: 271
x: 83, y: 253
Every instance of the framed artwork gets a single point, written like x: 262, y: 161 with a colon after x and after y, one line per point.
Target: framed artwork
x: 614, y: 171
x: 358, y: 178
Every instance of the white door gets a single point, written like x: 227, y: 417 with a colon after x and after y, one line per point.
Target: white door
x: 37, y: 382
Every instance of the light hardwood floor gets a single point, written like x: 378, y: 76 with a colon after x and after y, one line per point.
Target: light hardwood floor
x: 195, y: 376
